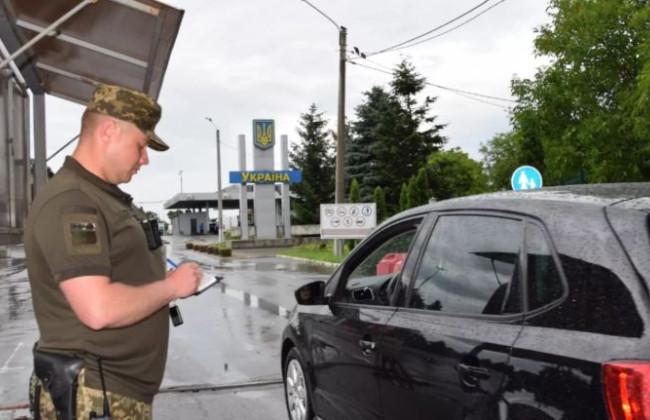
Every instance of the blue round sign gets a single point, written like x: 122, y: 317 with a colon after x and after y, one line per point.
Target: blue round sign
x: 525, y: 178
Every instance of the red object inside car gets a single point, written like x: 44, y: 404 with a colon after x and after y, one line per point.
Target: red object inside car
x: 391, y: 263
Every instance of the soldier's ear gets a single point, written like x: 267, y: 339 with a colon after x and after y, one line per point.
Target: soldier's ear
x: 107, y: 129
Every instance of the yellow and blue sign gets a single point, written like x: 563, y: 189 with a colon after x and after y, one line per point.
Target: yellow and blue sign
x: 265, y: 177
x: 263, y: 134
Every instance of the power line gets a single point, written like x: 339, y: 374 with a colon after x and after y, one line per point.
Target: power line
x: 451, y: 29
x: 466, y: 94
x: 431, y: 31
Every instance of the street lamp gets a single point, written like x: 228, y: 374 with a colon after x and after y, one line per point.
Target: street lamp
x: 340, y: 135
x: 219, y: 198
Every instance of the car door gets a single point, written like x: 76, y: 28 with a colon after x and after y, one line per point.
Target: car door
x: 446, y: 350
x: 343, y: 338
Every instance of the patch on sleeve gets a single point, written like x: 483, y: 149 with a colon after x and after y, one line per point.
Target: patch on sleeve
x: 81, y: 233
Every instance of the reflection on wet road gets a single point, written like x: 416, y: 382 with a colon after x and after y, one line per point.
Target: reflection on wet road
x: 231, y: 333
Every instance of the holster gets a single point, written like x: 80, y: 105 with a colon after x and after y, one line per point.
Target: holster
x: 59, y: 374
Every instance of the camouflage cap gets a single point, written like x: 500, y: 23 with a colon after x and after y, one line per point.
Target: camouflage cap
x: 132, y: 106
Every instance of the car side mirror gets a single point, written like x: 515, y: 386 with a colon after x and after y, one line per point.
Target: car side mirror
x: 311, y: 294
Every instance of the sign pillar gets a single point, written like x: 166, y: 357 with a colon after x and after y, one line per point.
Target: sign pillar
x: 286, y: 209
x: 243, y: 190
x: 264, y: 196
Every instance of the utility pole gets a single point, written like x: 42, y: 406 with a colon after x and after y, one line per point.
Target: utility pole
x: 339, y: 173
x: 219, y: 196
x: 340, y: 136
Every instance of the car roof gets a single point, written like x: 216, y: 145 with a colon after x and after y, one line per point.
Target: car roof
x: 632, y: 195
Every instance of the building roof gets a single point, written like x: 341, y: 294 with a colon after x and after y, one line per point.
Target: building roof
x: 229, y: 197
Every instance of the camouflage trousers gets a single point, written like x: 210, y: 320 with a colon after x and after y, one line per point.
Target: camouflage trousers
x: 89, y: 399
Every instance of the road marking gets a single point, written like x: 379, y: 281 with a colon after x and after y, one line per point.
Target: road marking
x: 5, y: 367
x: 254, y: 301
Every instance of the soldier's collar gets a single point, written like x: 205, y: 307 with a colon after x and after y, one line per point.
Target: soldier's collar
x: 71, y: 164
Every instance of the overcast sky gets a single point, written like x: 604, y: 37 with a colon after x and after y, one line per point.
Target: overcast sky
x: 271, y: 59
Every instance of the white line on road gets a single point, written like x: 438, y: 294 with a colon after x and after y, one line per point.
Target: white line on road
x: 5, y: 367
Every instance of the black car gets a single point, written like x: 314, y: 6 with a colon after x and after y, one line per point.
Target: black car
x: 517, y: 305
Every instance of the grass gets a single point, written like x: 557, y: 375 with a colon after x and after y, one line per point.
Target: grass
x: 323, y: 251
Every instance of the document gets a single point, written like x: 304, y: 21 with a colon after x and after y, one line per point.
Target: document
x: 208, y: 280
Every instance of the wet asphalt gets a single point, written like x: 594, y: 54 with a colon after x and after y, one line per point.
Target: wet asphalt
x: 223, y: 362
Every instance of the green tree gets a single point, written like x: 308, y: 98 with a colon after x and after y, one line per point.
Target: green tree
x: 422, y: 181
x: 588, y: 112
x: 454, y: 174
x: 314, y: 156
x: 375, y: 119
x: 500, y: 159
x: 412, y: 193
x: 173, y: 214
x: 379, y: 199
x: 354, y: 196
x: 403, y: 197
x: 392, y: 135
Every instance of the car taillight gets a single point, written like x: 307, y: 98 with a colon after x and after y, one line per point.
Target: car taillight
x: 627, y: 389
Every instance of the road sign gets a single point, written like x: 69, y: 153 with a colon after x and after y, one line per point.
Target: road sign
x: 347, y: 221
x: 265, y: 177
x: 526, y: 178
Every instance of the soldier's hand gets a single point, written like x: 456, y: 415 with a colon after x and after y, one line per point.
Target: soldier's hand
x: 185, y: 279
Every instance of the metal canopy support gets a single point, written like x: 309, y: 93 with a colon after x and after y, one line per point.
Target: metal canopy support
x: 10, y: 136
x: 67, y: 74
x: 154, y: 11
x: 82, y: 43
x: 40, y: 167
x: 12, y: 64
x: 46, y: 31
x: 8, y: 41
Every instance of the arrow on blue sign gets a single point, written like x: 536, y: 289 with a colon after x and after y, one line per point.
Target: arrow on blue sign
x: 526, y: 178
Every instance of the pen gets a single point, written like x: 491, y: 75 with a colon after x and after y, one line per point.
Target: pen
x: 172, y: 263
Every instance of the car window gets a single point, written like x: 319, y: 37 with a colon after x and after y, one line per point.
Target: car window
x: 469, y: 265
x: 544, y: 282
x: 368, y: 280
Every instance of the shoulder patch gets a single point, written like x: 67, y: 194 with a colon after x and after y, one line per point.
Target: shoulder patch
x: 81, y: 233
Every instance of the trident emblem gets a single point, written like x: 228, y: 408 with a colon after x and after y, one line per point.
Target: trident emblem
x: 263, y: 134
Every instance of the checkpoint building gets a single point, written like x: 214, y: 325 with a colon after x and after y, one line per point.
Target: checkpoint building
x: 195, y: 206
x: 262, y: 195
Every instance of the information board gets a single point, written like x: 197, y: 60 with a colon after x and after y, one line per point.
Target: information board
x: 348, y: 220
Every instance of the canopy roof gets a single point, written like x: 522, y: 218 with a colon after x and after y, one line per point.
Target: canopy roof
x: 122, y: 42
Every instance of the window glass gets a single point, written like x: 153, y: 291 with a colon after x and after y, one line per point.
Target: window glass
x: 544, y: 283
x: 368, y: 282
x: 469, y: 266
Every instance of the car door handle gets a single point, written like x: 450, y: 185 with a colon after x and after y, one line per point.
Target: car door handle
x: 367, y: 346
x: 472, y: 374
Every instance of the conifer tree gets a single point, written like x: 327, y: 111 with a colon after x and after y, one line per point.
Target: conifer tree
x: 380, y: 202
x: 314, y: 156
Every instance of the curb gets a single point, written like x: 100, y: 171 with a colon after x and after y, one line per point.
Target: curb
x: 315, y: 262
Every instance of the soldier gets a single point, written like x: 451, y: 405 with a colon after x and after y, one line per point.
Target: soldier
x: 97, y: 272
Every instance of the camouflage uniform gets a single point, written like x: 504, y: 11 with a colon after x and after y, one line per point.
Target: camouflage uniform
x: 89, y: 400
x: 80, y: 225
x: 132, y: 106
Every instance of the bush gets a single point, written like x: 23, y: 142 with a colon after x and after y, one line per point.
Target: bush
x: 189, y: 245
